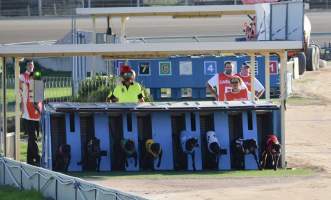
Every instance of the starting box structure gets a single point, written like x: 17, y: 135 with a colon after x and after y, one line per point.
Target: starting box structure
x: 75, y: 123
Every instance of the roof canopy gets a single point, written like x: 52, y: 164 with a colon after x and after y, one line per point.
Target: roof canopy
x: 174, y: 11
x: 147, y: 50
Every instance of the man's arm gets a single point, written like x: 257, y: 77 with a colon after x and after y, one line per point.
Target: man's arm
x: 212, y: 91
x: 211, y: 84
x: 259, y: 88
x: 112, y: 96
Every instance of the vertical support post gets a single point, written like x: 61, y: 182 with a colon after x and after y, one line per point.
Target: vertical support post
x: 123, y: 27
x: 283, y: 60
x: 93, y: 42
x: 4, y: 107
x: 267, y: 75
x: 17, y: 110
x: 40, y: 7
x: 252, y: 57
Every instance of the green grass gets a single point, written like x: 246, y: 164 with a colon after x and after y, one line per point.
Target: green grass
x: 194, y: 175
x: 49, y: 93
x: 11, y: 193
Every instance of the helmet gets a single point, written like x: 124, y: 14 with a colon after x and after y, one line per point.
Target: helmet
x: 127, y: 72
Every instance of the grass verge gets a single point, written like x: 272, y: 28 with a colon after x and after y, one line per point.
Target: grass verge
x: 7, y: 192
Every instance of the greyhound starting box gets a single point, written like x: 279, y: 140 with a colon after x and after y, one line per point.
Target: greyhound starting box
x: 170, y: 124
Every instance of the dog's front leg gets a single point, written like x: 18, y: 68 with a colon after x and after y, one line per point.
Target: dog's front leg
x: 126, y: 161
x: 264, y: 159
x: 217, y: 161
x: 159, y: 161
x: 98, y: 163
x: 135, y: 159
x: 193, y: 160
x: 256, y: 159
x: 276, y: 162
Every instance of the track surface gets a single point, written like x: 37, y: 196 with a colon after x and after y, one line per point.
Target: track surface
x: 14, y: 30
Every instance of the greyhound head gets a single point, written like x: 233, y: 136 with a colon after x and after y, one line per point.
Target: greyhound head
x: 93, y: 146
x: 276, y: 148
x: 64, y: 149
x: 191, y: 144
x: 129, y: 146
x: 215, y: 148
x: 251, y: 144
x: 156, y: 149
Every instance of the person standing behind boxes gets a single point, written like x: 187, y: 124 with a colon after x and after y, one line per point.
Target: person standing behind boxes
x: 221, y: 82
x: 128, y: 91
x: 30, y: 112
x: 245, y: 75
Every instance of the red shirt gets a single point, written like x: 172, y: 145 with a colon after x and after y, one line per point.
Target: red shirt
x: 246, y: 80
x: 224, y: 85
x: 242, y: 95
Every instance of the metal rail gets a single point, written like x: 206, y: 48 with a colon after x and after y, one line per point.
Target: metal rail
x: 50, y: 183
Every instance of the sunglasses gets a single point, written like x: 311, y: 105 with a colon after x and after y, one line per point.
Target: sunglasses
x: 236, y: 82
x: 127, y: 74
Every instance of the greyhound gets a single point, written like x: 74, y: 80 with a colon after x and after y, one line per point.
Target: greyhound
x: 189, y: 143
x: 273, y: 148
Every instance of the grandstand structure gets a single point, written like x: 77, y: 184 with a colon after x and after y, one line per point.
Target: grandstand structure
x: 67, y: 7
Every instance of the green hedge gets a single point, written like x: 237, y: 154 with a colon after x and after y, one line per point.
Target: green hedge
x: 97, y: 89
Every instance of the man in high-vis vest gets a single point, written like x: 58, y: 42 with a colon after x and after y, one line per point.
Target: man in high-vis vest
x: 30, y: 112
x: 128, y: 91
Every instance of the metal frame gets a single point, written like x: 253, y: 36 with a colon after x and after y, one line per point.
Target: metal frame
x: 122, y: 50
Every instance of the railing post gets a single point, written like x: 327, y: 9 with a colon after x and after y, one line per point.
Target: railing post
x: 38, y: 181
x: 4, y: 107
x: 17, y: 111
x: 21, y: 169
x: 56, y: 188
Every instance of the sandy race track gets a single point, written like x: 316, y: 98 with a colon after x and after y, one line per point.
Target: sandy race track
x: 308, y: 136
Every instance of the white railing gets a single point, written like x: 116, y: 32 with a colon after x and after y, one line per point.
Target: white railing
x: 53, y: 184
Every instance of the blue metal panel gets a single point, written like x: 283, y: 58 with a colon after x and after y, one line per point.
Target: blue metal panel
x: 101, y: 130
x: 221, y: 124
x: 276, y: 123
x: 74, y: 140
x: 162, y: 133
x: 250, y: 162
x: 132, y: 135
x: 195, y: 133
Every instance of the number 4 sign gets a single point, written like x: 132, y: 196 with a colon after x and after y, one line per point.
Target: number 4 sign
x: 210, y: 67
x: 273, y: 67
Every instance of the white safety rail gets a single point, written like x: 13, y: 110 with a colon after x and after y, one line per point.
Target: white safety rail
x: 53, y: 184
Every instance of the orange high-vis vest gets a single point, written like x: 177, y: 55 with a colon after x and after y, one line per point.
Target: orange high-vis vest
x: 247, y: 81
x: 242, y: 95
x: 224, y: 85
x: 29, y: 108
